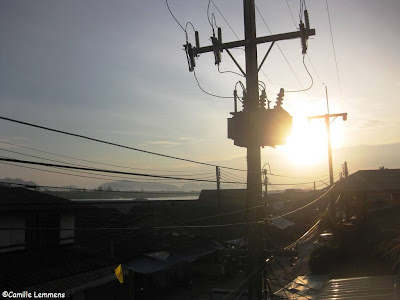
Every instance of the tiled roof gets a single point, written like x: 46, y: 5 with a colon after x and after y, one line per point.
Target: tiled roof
x: 387, y: 180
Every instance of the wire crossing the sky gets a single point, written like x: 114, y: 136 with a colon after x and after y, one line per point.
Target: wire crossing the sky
x: 109, y: 171
x: 116, y: 145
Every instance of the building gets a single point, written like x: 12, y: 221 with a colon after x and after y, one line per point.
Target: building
x: 38, y: 250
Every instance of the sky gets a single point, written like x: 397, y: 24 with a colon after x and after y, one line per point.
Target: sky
x: 115, y: 70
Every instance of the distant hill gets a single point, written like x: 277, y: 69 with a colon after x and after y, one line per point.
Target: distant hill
x: 17, y: 181
x: 365, y: 157
x: 125, y: 185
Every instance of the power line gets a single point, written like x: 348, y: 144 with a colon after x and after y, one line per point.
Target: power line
x: 295, y: 25
x: 290, y: 66
x: 116, y: 145
x: 96, y: 162
x: 210, y: 94
x: 15, y: 152
x: 226, y: 21
x: 128, y: 228
x: 287, y: 176
x: 308, y: 204
x: 294, y: 22
x: 109, y: 177
x: 312, y: 80
x: 184, y: 29
x: 334, y: 51
x: 224, y: 214
x: 104, y: 177
x: 166, y: 1
x: 105, y: 171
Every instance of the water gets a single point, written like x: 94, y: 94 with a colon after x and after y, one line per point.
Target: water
x: 164, y: 198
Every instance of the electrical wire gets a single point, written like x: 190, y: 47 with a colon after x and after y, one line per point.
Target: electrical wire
x: 334, y: 51
x: 15, y: 152
x: 232, y: 72
x: 294, y: 22
x: 100, y: 176
x: 105, y: 171
x: 96, y: 162
x: 290, y: 66
x: 312, y: 80
x: 224, y: 214
x: 232, y: 177
x: 129, y: 228
x: 166, y: 1
x: 308, y: 204
x: 240, y: 286
x: 208, y: 17
x: 116, y: 145
x: 315, y: 71
x: 287, y: 176
x: 210, y: 94
x: 226, y: 21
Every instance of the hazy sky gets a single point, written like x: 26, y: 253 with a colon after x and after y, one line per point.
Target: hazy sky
x: 115, y: 70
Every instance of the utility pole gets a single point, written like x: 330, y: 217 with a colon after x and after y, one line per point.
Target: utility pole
x: 255, y: 126
x: 345, y: 170
x: 328, y: 123
x: 254, y: 187
x: 218, y: 176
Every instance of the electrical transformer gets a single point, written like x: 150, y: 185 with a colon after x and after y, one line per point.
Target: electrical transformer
x: 264, y: 127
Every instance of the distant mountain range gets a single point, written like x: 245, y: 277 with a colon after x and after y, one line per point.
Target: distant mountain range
x: 126, y: 185
x: 17, y: 181
x: 362, y: 157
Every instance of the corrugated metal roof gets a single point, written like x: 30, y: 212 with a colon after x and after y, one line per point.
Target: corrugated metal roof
x: 76, y: 283
x: 146, y: 265
x: 303, y: 288
x: 21, y: 270
x: 371, y: 180
x: 362, y: 288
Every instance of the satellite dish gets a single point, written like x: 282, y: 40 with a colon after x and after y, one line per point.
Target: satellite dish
x: 278, y: 205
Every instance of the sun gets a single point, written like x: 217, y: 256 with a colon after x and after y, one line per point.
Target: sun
x: 307, y: 144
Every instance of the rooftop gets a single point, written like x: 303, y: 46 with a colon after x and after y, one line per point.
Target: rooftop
x: 386, y: 180
x: 53, y: 270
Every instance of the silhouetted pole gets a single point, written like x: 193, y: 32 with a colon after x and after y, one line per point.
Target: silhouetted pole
x: 328, y: 123
x: 245, y: 129
x: 218, y: 177
x: 254, y: 187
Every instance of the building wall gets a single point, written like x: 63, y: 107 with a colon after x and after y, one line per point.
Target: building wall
x: 67, y: 220
x: 11, y: 240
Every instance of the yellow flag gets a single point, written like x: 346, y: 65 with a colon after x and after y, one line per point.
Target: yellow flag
x: 119, y: 274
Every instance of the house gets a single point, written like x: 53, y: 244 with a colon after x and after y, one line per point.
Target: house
x: 38, y: 250
x: 160, y: 260
x: 367, y: 190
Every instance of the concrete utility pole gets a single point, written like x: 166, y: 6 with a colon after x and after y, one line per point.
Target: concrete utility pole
x: 255, y: 126
x: 328, y: 123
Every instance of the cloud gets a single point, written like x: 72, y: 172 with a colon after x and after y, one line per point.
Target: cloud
x: 164, y: 143
x: 371, y: 123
